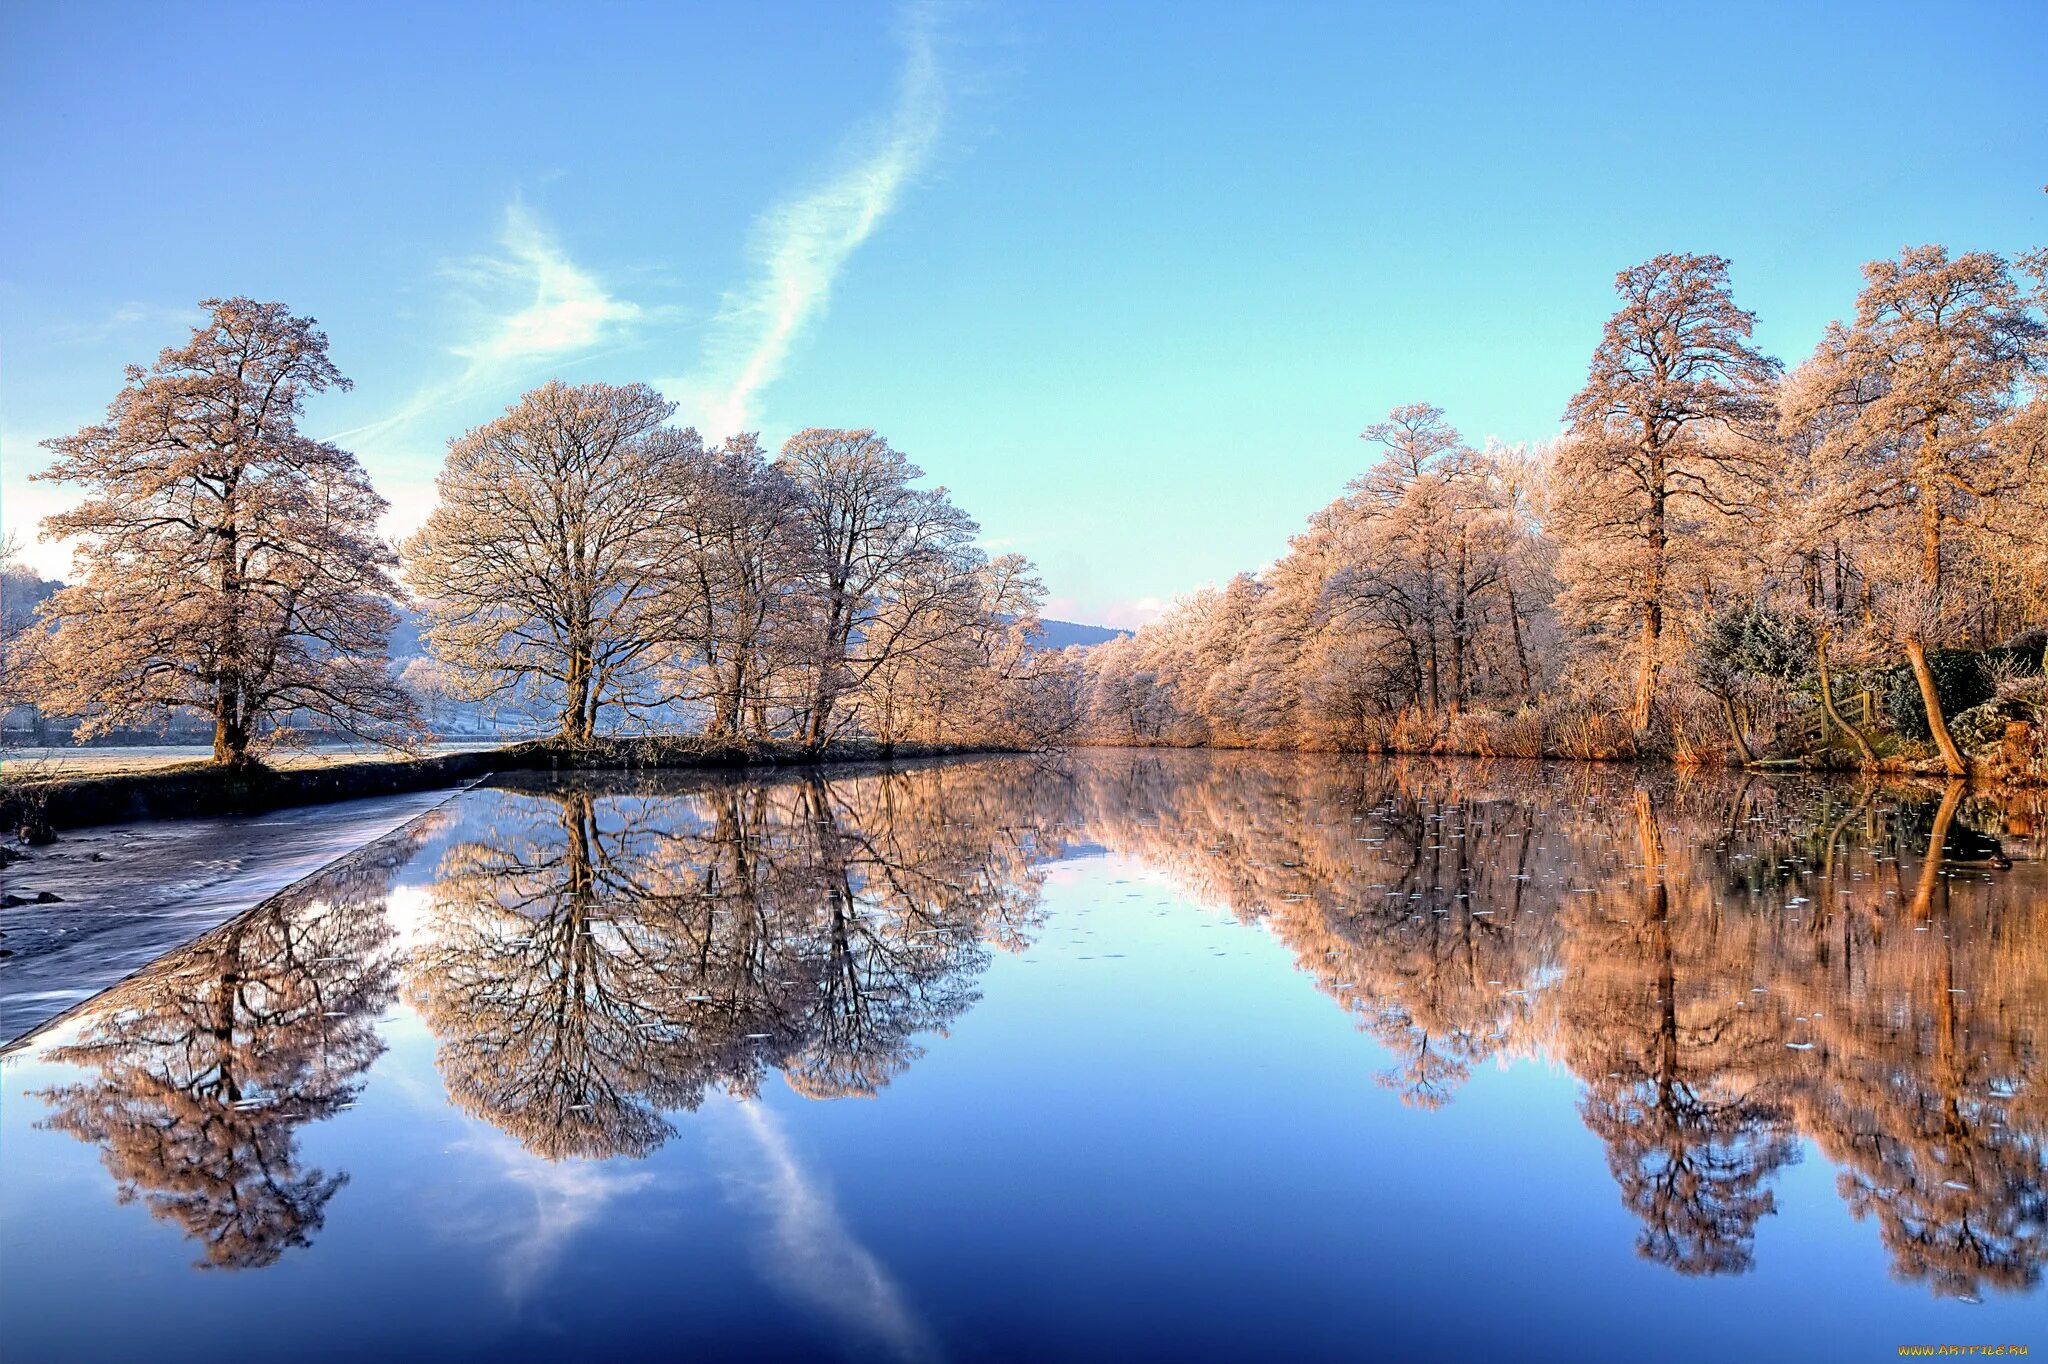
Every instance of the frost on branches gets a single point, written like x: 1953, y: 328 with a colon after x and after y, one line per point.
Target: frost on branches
x: 227, y: 564
x: 1715, y: 558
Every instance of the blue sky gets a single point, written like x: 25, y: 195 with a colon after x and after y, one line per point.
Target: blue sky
x: 1130, y: 279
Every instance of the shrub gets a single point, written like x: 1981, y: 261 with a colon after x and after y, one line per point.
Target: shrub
x: 1582, y: 729
x: 1961, y: 680
x: 1747, y: 644
x: 1981, y: 725
x: 1413, y: 731
x: 1511, y: 736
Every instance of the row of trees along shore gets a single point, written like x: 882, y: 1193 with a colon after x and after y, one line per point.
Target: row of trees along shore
x: 587, y: 560
x: 1717, y: 558
x: 1845, y: 563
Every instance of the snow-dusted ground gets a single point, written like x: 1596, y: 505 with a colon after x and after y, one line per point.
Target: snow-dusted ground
x: 130, y: 892
x: 74, y: 760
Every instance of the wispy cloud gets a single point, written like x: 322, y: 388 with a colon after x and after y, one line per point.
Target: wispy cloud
x: 534, y: 306
x: 569, y: 310
x: 562, y: 1198
x: 809, y: 1250
x: 120, y: 321
x: 800, y: 246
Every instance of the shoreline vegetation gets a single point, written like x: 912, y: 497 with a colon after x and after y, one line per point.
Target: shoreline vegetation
x: 1718, y: 561
x: 589, y: 569
x: 2015, y: 757
x: 37, y: 807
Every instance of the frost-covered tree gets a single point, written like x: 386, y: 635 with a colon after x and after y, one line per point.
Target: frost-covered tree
x: 546, y: 569
x: 1930, y: 430
x: 1418, y: 592
x: 895, y: 572
x: 1431, y: 540
x: 744, y: 568
x: 227, y: 563
x: 1659, y: 443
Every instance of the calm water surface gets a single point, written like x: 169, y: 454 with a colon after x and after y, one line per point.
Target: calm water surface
x: 1129, y: 1055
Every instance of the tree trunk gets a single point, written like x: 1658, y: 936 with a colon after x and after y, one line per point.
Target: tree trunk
x: 574, y: 707
x: 1951, y: 756
x: 730, y: 719
x: 1459, y: 693
x: 814, y: 724
x: 1646, y: 673
x: 1653, y: 598
x: 578, y: 714
x: 230, y: 732
x: 1930, y: 529
x: 838, y: 632
x: 230, y: 736
x: 1521, y: 650
x: 1735, y: 732
x: 230, y: 725
x: 1827, y: 704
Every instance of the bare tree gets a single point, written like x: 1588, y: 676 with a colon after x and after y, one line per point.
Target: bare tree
x: 1762, y: 536
x: 1429, y: 538
x: 964, y: 672
x: 1414, y: 594
x: 228, y: 564
x: 430, y: 686
x: 545, y: 569
x: 745, y: 571
x: 896, y: 566
x: 1928, y: 437
x: 1672, y: 374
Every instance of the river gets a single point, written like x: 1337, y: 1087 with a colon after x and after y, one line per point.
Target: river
x: 1116, y: 1055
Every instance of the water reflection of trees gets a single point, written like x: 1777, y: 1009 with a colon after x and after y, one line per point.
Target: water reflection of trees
x: 199, y: 1073
x: 1726, y: 965
x: 595, y: 962
x: 1730, y: 968
x: 1680, y: 1074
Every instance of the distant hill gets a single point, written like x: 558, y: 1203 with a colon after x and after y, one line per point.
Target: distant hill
x: 406, y: 643
x: 1064, y: 634
x: 1052, y: 634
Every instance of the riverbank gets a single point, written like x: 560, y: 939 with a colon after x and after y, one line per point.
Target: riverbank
x: 111, y: 759
x: 103, y: 902
x: 203, y: 791
x: 2018, y: 759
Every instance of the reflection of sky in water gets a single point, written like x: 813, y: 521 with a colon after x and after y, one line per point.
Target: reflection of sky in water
x: 1210, y: 1056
